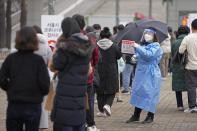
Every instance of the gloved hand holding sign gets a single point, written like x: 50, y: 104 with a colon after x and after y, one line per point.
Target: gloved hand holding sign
x: 135, y: 45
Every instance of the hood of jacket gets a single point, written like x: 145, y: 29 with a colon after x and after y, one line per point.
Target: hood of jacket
x: 104, y: 44
x: 42, y: 39
x: 77, y: 44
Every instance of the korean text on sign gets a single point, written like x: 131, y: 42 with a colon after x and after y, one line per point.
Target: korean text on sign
x: 127, y: 47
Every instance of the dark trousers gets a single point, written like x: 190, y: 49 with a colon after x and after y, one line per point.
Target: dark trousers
x: 138, y: 111
x: 75, y: 128
x: 103, y: 99
x: 191, y: 85
x: 179, y: 99
x: 59, y: 127
x: 23, y: 114
x: 90, y: 112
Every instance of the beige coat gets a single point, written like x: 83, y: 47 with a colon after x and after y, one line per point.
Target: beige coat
x: 189, y: 43
x: 166, y: 45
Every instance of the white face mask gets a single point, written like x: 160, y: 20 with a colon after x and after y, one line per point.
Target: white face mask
x: 148, y: 38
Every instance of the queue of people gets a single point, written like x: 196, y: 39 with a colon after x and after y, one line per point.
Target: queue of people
x: 88, y: 62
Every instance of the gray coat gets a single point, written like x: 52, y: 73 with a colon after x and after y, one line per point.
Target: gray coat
x: 46, y: 52
x: 44, y: 49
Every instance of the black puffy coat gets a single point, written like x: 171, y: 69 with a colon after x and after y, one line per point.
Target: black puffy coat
x: 108, y: 67
x: 72, y: 62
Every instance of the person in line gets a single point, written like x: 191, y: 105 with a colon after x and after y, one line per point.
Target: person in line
x: 121, y: 66
x: 147, y: 81
x: 189, y: 44
x: 166, y: 47
x: 121, y: 63
x: 91, y: 33
x: 178, y: 74
x: 89, y: 29
x: 46, y: 52
x: 25, y: 78
x: 172, y: 35
x: 172, y: 39
x: 129, y: 67
x: 97, y: 31
x: 127, y: 73
x: 120, y: 28
x: 71, y: 60
x: 91, y: 125
x: 116, y: 30
x: 108, y: 72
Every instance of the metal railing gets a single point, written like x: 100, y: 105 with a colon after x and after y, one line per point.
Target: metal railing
x: 4, y: 52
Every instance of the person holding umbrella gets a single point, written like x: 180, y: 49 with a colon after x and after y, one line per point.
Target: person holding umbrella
x: 147, y: 81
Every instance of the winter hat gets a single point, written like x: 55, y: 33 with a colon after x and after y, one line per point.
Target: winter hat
x: 80, y: 20
x: 69, y: 26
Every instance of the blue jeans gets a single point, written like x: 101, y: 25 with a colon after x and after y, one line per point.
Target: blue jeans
x: 73, y: 128
x: 126, y: 75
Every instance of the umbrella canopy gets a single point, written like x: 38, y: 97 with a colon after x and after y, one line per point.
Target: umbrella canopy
x: 134, y: 30
x: 162, y: 30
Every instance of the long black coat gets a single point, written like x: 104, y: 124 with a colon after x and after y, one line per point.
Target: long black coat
x: 108, y: 67
x: 72, y: 62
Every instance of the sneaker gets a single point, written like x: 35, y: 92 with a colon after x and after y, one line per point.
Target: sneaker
x: 148, y: 120
x: 107, y: 109
x: 164, y: 78
x: 101, y: 114
x: 194, y: 110
x: 191, y: 110
x: 119, y: 100
x: 180, y: 108
x: 92, y: 128
x: 188, y: 110
x: 125, y: 92
x: 133, y: 119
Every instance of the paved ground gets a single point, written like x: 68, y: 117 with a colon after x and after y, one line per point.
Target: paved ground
x: 166, y: 118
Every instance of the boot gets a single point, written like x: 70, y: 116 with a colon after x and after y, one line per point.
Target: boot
x: 148, y: 119
x: 133, y: 119
x: 119, y: 99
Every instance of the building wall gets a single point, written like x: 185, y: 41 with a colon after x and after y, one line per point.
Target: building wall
x: 179, y: 7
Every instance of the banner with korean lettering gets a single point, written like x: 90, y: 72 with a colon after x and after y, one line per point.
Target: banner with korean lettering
x: 127, y: 47
x: 51, y: 27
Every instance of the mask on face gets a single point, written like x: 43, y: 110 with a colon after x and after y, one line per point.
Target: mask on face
x: 148, y: 38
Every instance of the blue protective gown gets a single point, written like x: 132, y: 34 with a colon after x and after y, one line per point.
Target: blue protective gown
x: 147, y: 82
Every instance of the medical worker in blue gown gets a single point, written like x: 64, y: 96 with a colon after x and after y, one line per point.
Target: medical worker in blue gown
x: 147, y: 82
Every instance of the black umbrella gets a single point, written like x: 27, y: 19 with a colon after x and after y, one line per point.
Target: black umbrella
x: 161, y: 28
x: 134, y: 30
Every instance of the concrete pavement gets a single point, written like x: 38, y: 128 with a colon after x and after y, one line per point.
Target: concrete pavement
x: 167, y: 118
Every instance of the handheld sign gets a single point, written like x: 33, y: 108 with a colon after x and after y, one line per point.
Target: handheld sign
x: 127, y: 47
